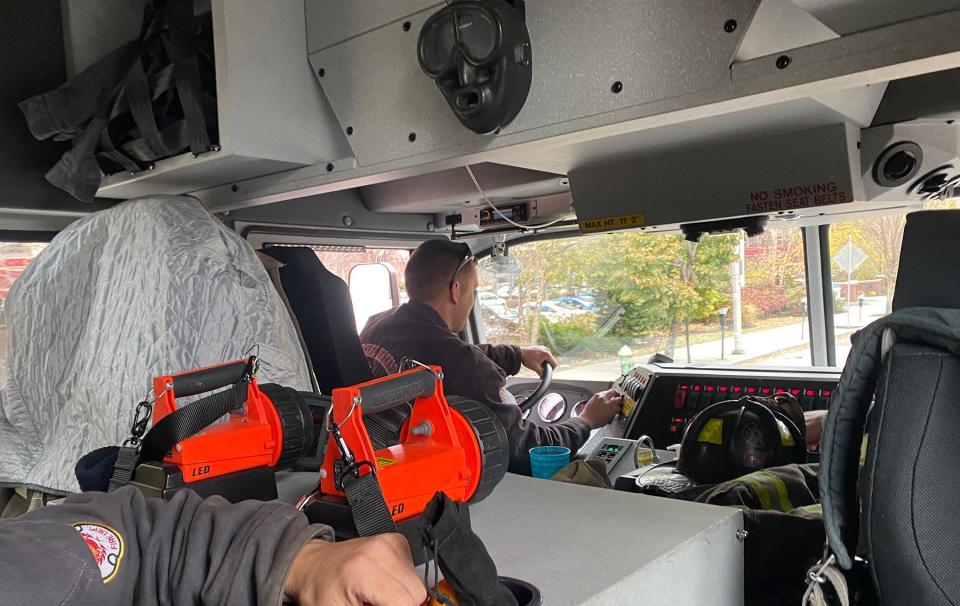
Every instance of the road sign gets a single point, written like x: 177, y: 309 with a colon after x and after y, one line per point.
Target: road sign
x: 849, y: 258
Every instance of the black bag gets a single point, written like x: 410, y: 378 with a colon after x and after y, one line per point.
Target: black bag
x: 154, y: 97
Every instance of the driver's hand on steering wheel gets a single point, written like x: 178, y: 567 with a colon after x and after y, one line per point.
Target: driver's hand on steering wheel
x: 533, y: 358
x: 601, y: 408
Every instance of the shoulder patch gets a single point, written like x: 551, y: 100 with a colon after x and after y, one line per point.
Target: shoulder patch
x: 380, y: 361
x: 106, y: 544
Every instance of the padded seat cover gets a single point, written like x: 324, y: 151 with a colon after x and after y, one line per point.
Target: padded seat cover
x: 147, y: 287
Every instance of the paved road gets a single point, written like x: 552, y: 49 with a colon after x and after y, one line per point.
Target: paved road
x: 770, y: 347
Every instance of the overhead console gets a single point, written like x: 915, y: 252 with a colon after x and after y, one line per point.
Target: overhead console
x: 804, y: 174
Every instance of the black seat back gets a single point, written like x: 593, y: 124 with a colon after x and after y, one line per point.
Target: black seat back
x: 897, y: 506
x: 909, y: 481
x: 321, y: 302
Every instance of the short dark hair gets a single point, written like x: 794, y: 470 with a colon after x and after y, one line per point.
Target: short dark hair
x: 431, y: 266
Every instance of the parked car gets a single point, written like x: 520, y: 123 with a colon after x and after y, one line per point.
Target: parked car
x: 577, y: 302
x: 496, y: 306
x: 555, y: 311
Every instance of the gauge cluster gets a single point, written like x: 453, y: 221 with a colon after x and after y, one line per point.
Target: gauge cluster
x: 552, y: 407
x: 563, y: 401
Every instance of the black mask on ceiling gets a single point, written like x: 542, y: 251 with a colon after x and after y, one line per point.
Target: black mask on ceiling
x: 478, y: 53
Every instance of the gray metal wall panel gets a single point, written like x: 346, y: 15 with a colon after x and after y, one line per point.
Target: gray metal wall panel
x: 333, y: 21
x: 658, y: 49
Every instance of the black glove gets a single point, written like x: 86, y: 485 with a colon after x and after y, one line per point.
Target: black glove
x: 94, y: 469
x: 462, y: 557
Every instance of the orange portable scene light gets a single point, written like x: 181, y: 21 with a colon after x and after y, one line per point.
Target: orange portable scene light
x: 231, y: 441
x: 456, y: 446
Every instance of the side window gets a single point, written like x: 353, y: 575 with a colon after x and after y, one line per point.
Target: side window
x: 374, y: 275
x: 374, y: 287
x: 865, y: 258
x: 606, y: 302
x: 14, y: 258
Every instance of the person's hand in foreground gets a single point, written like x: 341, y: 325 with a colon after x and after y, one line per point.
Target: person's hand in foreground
x: 374, y: 570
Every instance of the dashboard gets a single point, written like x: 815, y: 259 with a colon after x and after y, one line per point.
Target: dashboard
x: 661, y: 399
x: 667, y: 396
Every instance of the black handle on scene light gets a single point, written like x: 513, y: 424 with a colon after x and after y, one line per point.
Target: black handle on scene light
x: 397, y: 390
x: 208, y: 379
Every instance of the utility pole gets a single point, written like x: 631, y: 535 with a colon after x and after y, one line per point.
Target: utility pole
x: 723, y: 332
x: 736, y: 285
x: 849, y: 276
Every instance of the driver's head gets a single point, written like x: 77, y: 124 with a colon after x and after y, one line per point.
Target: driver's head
x: 443, y: 275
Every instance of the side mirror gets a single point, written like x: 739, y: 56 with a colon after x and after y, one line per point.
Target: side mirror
x: 373, y: 288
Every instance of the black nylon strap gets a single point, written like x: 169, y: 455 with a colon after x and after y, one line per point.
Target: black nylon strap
x: 176, y: 136
x: 141, y: 107
x: 367, y: 505
x: 124, y: 467
x: 187, y: 421
x: 181, y: 45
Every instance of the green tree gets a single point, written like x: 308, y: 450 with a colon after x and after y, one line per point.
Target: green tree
x: 659, y: 280
x: 662, y: 280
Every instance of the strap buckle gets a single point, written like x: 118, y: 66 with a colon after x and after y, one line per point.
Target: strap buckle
x: 141, y: 418
x: 352, y: 470
x: 345, y: 451
x: 826, y: 584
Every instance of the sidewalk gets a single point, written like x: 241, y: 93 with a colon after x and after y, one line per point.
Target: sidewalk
x: 779, y: 346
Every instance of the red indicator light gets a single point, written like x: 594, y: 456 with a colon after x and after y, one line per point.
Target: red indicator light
x: 795, y: 392
x: 737, y: 389
x: 781, y: 390
x: 810, y: 392
x: 826, y: 392
x: 710, y: 388
x: 673, y: 428
x: 696, y: 388
x: 724, y: 388
x: 752, y: 390
x: 684, y: 387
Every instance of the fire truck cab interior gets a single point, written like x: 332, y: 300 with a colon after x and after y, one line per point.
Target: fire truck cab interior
x: 690, y: 202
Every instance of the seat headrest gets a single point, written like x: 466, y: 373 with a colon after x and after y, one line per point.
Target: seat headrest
x: 321, y: 302
x: 929, y: 275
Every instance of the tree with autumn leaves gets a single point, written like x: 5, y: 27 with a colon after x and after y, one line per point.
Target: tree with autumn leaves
x: 659, y: 280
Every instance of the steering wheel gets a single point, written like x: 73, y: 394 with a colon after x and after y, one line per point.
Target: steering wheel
x: 541, y: 389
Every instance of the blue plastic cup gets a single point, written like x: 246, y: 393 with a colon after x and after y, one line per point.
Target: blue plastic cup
x: 548, y: 460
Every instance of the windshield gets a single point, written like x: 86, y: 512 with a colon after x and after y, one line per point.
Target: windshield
x: 606, y: 302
